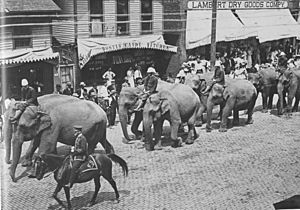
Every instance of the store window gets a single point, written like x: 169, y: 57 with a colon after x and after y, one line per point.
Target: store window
x: 65, y: 73
x: 146, y: 16
x: 122, y: 17
x: 96, y: 17
x: 22, y: 37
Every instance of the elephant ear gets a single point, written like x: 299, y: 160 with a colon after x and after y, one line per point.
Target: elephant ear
x: 44, y: 121
x: 165, y: 106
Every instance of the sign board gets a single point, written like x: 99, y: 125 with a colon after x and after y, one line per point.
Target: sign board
x: 207, y: 5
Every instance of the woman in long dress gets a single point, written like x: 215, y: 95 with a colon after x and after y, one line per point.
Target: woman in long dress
x: 130, y: 77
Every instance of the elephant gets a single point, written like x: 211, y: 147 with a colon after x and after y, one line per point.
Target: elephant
x: 53, y: 121
x: 289, y: 81
x: 236, y: 95
x: 198, y: 83
x: 265, y: 82
x: 178, y: 105
x: 128, y: 100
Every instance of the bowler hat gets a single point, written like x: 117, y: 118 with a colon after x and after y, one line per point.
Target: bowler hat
x: 77, y: 127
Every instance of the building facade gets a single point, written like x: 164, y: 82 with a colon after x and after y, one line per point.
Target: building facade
x: 113, y: 33
x: 25, y: 46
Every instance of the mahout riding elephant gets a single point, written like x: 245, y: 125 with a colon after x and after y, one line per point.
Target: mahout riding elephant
x: 289, y: 82
x: 265, y: 82
x: 128, y: 101
x: 198, y: 83
x: 178, y: 105
x: 51, y: 122
x: 236, y: 95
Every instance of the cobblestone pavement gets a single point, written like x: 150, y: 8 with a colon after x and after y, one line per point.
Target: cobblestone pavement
x: 249, y: 167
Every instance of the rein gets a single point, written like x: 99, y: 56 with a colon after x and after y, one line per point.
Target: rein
x: 50, y: 173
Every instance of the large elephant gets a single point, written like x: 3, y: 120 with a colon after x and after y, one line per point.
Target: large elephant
x: 236, y: 95
x: 265, y: 82
x: 289, y: 81
x: 178, y: 105
x: 53, y: 121
x: 128, y: 100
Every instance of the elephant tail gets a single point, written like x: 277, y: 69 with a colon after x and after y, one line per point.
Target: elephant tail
x: 115, y: 158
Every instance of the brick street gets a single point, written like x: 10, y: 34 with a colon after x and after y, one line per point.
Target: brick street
x: 249, y: 167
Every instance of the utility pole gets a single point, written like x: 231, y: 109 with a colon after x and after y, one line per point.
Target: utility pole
x: 213, y: 44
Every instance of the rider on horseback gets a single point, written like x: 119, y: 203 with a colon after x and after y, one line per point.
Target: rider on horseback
x: 29, y: 96
x: 79, y: 153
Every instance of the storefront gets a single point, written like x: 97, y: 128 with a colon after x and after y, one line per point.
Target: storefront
x: 255, y: 27
x: 37, y: 66
x: 97, y: 55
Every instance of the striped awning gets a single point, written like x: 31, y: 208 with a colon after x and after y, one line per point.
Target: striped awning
x: 87, y: 48
x: 26, y: 56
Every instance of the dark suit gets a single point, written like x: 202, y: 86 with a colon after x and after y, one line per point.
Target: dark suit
x: 29, y: 95
x: 68, y: 91
x: 80, y: 154
x: 85, y: 93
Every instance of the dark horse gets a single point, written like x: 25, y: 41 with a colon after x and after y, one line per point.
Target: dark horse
x: 61, y: 166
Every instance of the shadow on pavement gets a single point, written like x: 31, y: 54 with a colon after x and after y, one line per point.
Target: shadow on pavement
x: 81, y: 202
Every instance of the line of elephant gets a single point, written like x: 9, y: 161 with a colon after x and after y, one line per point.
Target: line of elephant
x: 54, y: 119
x: 178, y: 103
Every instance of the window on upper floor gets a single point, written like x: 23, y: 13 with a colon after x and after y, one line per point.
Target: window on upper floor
x: 96, y: 17
x: 22, y: 37
x: 122, y: 17
x: 146, y: 16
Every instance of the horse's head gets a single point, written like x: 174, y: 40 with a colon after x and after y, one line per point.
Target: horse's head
x: 40, y: 167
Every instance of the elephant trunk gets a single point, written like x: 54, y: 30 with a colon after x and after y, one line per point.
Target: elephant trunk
x: 17, y: 148
x: 123, y: 120
x: 7, y: 135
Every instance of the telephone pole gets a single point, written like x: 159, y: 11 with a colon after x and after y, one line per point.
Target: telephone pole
x: 213, y: 44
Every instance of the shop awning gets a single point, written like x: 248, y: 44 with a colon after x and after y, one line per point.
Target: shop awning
x: 269, y: 24
x: 88, y: 48
x: 198, y: 29
x: 26, y: 56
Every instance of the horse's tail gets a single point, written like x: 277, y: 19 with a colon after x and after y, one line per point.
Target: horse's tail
x: 115, y: 158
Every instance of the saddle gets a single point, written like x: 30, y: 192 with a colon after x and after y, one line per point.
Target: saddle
x: 88, y: 165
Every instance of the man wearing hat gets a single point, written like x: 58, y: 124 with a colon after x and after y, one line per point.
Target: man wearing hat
x: 219, y: 77
x: 82, y: 91
x: 93, y: 92
x: 68, y: 90
x: 79, y: 152
x: 29, y: 96
x: 113, y: 103
x: 150, y: 85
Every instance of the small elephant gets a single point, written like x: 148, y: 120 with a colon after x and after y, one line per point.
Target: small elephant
x: 265, y: 83
x: 178, y: 105
x: 234, y: 96
x: 289, y: 81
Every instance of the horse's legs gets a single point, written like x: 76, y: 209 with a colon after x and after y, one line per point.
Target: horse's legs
x: 54, y: 195
x: 113, y: 184
x: 67, y: 192
x: 97, y: 187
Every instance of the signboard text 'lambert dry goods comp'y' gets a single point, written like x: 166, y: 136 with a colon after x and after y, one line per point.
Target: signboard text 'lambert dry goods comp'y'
x: 205, y: 5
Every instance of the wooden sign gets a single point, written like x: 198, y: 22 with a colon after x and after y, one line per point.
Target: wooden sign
x: 207, y: 5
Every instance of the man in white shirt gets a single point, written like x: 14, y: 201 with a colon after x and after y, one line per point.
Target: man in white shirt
x: 109, y: 75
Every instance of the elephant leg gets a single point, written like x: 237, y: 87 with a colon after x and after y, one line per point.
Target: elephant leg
x: 209, y: 113
x: 157, y: 134
x: 192, y: 131
x: 280, y: 98
x: 264, y: 100
x: 176, y: 142
x: 226, y: 112
x: 296, y: 104
x: 270, y: 102
x: 291, y: 95
x: 236, y: 120
x: 138, y: 117
x: 28, y: 156
x: 250, y: 111
x: 199, y: 120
